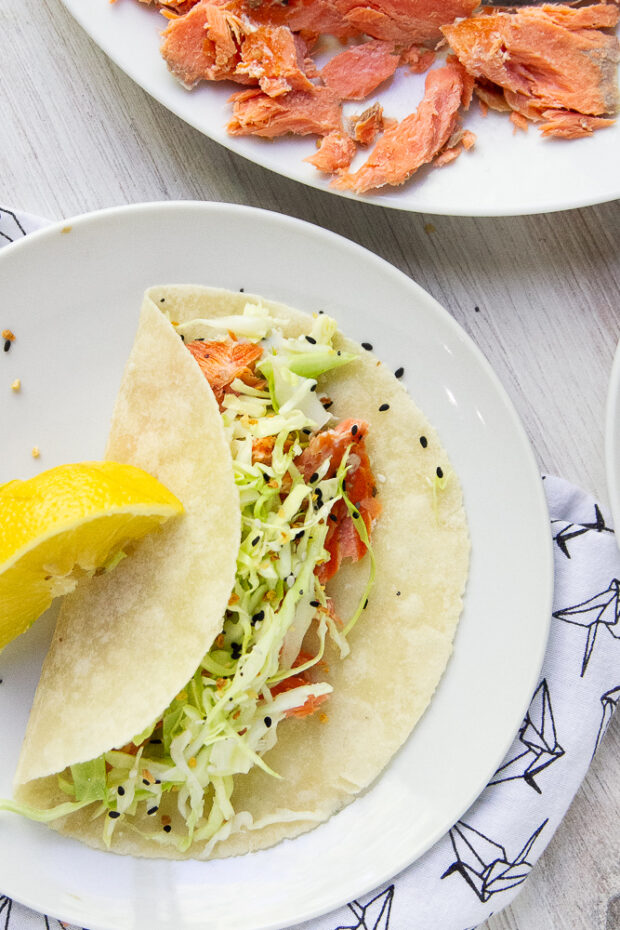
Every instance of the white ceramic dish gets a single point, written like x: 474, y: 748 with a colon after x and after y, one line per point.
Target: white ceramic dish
x: 506, y: 174
x: 612, y: 440
x: 72, y: 293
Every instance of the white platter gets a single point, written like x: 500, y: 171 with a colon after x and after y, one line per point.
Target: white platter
x: 71, y: 293
x: 506, y: 174
x: 612, y: 440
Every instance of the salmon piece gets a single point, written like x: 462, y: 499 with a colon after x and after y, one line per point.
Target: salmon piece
x: 274, y: 58
x: 403, y: 21
x: 222, y: 362
x: 336, y: 152
x: 300, y: 112
x: 358, y: 71
x: 366, y: 127
x: 204, y: 43
x: 460, y: 141
x: 564, y: 124
x: 492, y: 97
x: 419, y: 59
x: 417, y: 139
x: 342, y: 540
x: 216, y: 41
x: 554, y: 57
x: 519, y: 122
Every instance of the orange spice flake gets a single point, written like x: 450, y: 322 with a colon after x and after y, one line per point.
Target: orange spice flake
x: 220, y: 682
x: 323, y: 718
x: 8, y: 335
x: 146, y: 775
x: 234, y: 598
x: 193, y: 762
x: 166, y: 820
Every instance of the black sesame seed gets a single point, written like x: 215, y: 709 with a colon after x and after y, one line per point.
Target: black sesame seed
x: 333, y: 517
x: 241, y: 290
x: 162, y: 300
x: 301, y: 593
x: 313, y: 388
x: 182, y: 337
x: 439, y: 471
x: 152, y: 810
x: 365, y: 604
x: 121, y: 790
x: 306, y: 431
x: 423, y: 442
x: 314, y: 604
x: 367, y: 346
x: 399, y: 372
x: 321, y: 311
x: 235, y: 649
x: 146, y: 782
x: 384, y: 407
x: 354, y: 429
x: 338, y: 352
x: 355, y: 514
x: 267, y: 721
x: 7, y: 345
x: 477, y: 309
x: 258, y: 617
x: 299, y: 534
x: 256, y: 540
x: 314, y: 477
x: 155, y: 742
x: 114, y: 814
x: 311, y: 340
x: 167, y: 828
x: 398, y: 594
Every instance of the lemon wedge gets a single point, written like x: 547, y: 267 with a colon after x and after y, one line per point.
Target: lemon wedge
x: 66, y: 523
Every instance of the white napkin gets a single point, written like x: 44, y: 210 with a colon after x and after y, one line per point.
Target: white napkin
x: 479, y: 866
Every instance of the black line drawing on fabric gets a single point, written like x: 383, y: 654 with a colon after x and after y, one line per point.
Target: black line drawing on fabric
x: 374, y: 915
x: 10, y: 227
x: 602, y: 609
x: 538, y: 736
x: 484, y: 864
x: 5, y: 911
x: 573, y: 530
x: 609, y: 702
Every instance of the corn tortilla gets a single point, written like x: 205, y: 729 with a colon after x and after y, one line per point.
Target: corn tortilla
x: 399, y: 647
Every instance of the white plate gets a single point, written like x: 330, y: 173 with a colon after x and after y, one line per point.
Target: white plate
x: 72, y: 298
x: 506, y: 174
x: 612, y: 441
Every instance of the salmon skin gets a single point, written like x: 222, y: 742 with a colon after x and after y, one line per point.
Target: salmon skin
x: 549, y: 63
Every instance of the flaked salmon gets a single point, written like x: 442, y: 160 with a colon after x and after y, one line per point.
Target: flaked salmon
x: 544, y: 58
x: 343, y: 540
x: 366, y: 126
x: 417, y: 139
x: 403, y: 21
x: 217, y: 41
x: 358, y: 71
x: 222, y: 362
x: 336, y: 151
x: 301, y: 112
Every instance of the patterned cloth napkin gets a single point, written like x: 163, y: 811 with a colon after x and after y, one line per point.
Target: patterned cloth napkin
x: 478, y: 867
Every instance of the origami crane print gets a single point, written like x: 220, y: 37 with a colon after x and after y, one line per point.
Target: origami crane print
x: 600, y: 610
x: 573, y: 530
x: 609, y: 702
x: 538, y: 736
x: 484, y: 864
x: 5, y: 911
x: 374, y: 915
x: 10, y: 227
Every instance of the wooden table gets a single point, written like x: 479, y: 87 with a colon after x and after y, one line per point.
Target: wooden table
x: 540, y: 295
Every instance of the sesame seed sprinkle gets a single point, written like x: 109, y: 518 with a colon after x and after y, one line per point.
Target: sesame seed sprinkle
x: 7, y: 345
x: 399, y: 372
x: 256, y: 540
x: 121, y: 790
x: 384, y: 407
x: 114, y: 814
x: 267, y: 721
x: 439, y: 471
x: 314, y: 604
x: 314, y: 477
x: 423, y: 442
x: 167, y: 828
x: 152, y: 810
x: 311, y: 340
x: 354, y: 429
x: 367, y: 346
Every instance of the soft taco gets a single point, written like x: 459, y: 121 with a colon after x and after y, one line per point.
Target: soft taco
x: 255, y: 665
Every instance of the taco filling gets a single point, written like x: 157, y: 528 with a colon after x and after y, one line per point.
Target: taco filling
x: 308, y: 500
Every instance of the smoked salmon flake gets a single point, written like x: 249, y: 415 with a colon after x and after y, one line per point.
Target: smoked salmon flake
x: 222, y: 362
x: 546, y: 58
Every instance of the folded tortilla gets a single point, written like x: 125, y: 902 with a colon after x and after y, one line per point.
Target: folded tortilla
x: 127, y: 643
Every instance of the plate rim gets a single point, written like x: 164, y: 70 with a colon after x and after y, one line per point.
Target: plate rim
x: 77, y: 10
x: 612, y: 438
x: 208, y: 207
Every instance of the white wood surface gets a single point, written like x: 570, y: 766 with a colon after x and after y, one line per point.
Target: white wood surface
x: 77, y: 134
